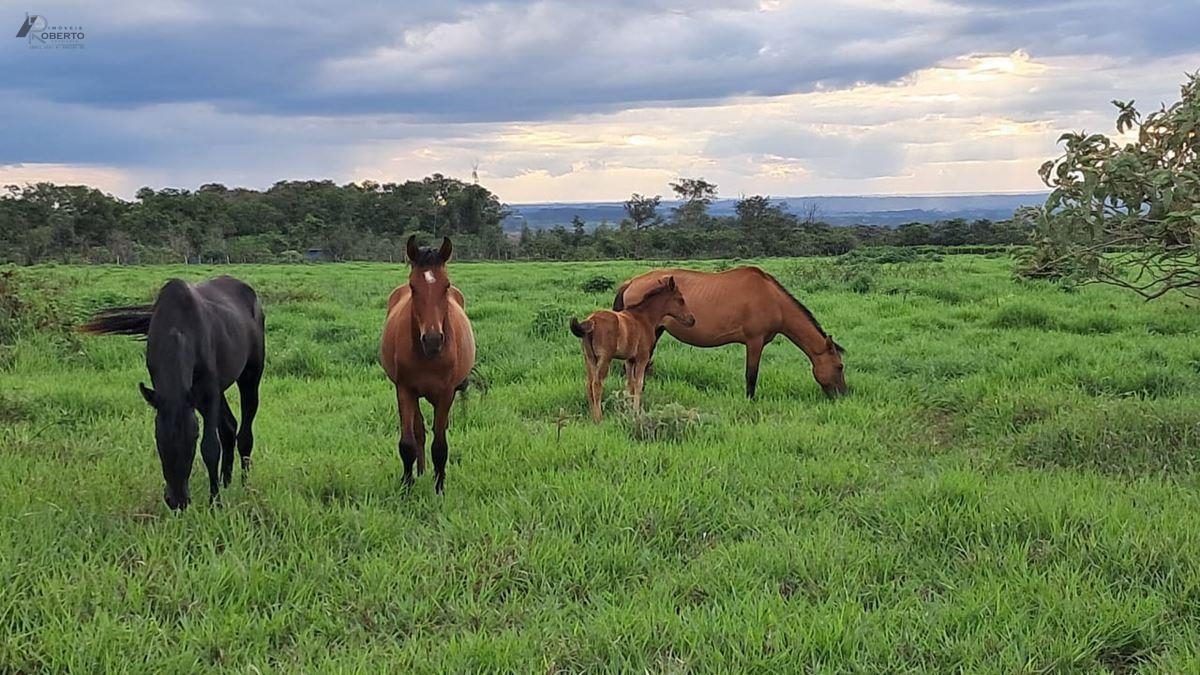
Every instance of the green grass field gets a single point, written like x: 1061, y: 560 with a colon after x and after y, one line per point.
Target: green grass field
x: 1011, y: 487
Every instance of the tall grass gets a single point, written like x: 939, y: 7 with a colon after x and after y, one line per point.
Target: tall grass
x: 1011, y: 487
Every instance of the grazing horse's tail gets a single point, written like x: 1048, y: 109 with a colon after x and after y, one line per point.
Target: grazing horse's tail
x: 581, y: 329
x: 133, y: 320
x: 619, y: 301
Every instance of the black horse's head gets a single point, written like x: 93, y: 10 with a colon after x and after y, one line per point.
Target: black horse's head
x: 175, y: 434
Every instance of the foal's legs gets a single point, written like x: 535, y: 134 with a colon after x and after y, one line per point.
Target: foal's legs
x: 248, y: 389
x: 228, y: 433
x: 754, y: 349
x: 596, y: 373
x: 406, y: 402
x: 441, y: 449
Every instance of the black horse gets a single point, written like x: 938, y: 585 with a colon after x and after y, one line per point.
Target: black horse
x: 200, y: 339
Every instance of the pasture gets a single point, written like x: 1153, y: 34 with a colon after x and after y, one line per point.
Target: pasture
x: 1010, y: 487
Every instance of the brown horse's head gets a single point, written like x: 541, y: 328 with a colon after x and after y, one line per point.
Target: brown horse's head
x: 430, y: 293
x: 829, y: 370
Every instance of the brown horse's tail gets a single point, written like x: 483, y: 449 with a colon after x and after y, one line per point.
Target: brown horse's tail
x: 619, y: 301
x: 581, y: 329
x: 134, y: 320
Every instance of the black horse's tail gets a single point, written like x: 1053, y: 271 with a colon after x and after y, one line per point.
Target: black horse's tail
x: 134, y: 320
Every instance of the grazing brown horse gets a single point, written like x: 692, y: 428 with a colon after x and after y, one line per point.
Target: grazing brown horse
x: 628, y: 334
x: 744, y: 305
x: 428, y: 351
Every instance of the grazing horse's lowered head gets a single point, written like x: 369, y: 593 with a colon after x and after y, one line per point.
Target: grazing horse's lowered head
x: 430, y: 293
x: 175, y: 434
x: 828, y: 370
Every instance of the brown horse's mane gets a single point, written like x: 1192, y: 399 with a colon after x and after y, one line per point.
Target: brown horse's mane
x: 806, y: 311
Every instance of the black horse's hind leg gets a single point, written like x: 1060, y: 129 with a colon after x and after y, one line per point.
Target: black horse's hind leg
x: 248, y: 388
x: 228, y: 432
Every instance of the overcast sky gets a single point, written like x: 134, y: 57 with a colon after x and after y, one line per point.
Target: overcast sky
x: 582, y: 100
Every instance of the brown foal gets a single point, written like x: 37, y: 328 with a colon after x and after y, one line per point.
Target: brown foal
x: 628, y: 335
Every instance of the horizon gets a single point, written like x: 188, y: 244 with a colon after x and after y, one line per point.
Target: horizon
x: 556, y: 102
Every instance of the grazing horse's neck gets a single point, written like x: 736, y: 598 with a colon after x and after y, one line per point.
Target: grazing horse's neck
x: 802, y: 330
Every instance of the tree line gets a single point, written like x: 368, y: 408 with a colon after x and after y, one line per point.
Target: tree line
x: 293, y: 220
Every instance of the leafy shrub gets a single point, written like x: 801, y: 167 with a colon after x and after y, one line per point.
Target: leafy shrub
x: 27, y: 307
x: 670, y: 422
x: 291, y: 257
x: 598, y: 284
x: 861, y: 283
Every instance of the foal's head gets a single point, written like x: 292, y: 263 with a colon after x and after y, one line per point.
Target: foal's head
x: 430, y: 293
x: 670, y: 301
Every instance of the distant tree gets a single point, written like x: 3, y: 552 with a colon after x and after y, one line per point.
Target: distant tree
x: 810, y: 212
x: 696, y: 194
x: 643, y: 211
x: 1126, y: 215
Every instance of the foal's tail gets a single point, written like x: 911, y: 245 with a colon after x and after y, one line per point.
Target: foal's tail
x: 581, y: 329
x: 134, y: 320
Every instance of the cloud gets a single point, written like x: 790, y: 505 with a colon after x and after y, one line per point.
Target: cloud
x: 586, y: 100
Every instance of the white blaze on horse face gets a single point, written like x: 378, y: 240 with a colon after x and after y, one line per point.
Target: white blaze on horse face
x: 429, y: 279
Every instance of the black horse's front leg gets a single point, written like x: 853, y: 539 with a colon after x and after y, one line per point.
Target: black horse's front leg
x: 210, y: 442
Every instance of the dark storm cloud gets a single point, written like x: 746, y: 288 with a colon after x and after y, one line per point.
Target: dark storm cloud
x: 165, y: 82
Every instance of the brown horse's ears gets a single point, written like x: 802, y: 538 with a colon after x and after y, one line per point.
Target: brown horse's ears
x: 446, y: 249
x: 670, y: 283
x: 411, y: 248
x: 830, y: 345
x: 149, y: 395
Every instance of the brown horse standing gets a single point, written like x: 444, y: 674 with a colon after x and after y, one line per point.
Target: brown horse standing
x: 744, y: 305
x: 628, y: 334
x: 428, y: 351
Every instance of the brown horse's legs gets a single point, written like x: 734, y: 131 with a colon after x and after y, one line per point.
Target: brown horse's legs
x: 753, y: 355
x: 406, y: 402
x: 441, y: 449
x: 419, y: 435
x: 639, y: 381
x: 650, y: 358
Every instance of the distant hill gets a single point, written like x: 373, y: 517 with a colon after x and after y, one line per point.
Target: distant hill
x: 887, y: 210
